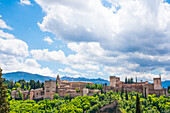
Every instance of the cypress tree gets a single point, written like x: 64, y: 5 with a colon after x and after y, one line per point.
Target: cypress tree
x: 136, y: 80
x: 4, y: 108
x: 138, y: 110
x: 126, y: 80
x: 126, y: 95
x: 131, y: 80
x: 145, y: 92
x: 122, y: 91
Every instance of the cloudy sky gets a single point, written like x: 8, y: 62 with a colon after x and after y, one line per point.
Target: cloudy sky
x: 86, y: 38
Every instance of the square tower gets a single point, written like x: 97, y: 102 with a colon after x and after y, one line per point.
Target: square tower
x: 49, y: 89
x: 113, y: 81
x: 157, y: 83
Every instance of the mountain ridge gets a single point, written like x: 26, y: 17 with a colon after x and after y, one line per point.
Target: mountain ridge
x: 15, y: 76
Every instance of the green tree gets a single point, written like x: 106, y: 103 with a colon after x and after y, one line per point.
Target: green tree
x: 11, y: 84
x: 56, y: 96
x: 136, y: 80
x: 126, y: 80
x: 77, y: 90
x: 32, y: 84
x: 138, y: 109
x: 122, y: 91
x: 126, y: 95
x: 38, y: 84
x: 131, y: 80
x: 67, y: 97
x: 17, y: 85
x: 4, y: 108
x: 20, y: 95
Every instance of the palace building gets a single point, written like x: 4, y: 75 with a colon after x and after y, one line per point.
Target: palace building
x: 142, y: 87
x: 63, y: 87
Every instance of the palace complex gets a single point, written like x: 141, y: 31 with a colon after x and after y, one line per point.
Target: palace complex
x: 142, y: 87
x: 69, y: 88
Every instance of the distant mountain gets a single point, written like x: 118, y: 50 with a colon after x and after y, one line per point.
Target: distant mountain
x: 98, y: 80
x: 15, y: 76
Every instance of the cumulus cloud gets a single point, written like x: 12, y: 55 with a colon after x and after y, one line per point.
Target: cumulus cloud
x: 48, y: 40
x: 129, y: 36
x: 14, y: 55
x: 25, y: 2
x: 57, y: 56
x: 13, y: 47
x: 3, y: 24
x: 68, y: 70
x: 6, y: 35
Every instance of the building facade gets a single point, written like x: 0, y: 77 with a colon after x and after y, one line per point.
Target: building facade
x: 142, y: 87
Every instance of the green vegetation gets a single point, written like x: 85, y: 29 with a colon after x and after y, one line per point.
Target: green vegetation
x: 92, y: 104
x: 23, y: 84
x: 129, y: 80
x: 4, y: 108
x: 95, y: 86
x: 127, y: 102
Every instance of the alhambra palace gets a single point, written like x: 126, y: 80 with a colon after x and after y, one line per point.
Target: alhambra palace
x: 68, y: 88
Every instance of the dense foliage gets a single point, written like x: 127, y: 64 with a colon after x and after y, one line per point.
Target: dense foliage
x: 23, y: 84
x: 92, y: 104
x: 4, y: 108
x: 127, y: 102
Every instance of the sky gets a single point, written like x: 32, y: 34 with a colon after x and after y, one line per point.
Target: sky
x: 86, y: 38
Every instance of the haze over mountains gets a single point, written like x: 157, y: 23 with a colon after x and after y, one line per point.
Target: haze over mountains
x: 15, y: 76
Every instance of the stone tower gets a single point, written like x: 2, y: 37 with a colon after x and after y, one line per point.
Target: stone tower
x: 58, y: 80
x: 113, y: 81
x: 157, y: 83
x: 49, y: 89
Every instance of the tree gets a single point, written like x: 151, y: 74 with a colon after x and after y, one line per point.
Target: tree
x: 77, y: 89
x: 131, y: 80
x: 56, y: 96
x: 122, y: 91
x: 66, y: 97
x: 168, y: 89
x: 88, y: 86
x: 138, y: 110
x: 32, y: 84
x: 42, y: 85
x: 17, y: 85
x: 4, y: 108
x: 11, y: 84
x: 20, y: 95
x: 126, y: 95
x: 126, y: 80
x: 136, y: 80
x: 38, y: 85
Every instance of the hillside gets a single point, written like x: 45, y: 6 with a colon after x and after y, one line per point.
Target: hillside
x: 15, y: 76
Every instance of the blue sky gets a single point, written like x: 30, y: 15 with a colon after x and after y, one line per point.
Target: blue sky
x: 86, y: 38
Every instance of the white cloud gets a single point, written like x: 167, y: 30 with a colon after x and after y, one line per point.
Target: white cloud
x: 25, y: 2
x: 57, y: 56
x: 48, y: 40
x: 3, y: 24
x: 13, y: 47
x: 5, y: 35
x: 135, y: 38
x: 100, y: 73
x: 68, y: 70
x: 32, y: 62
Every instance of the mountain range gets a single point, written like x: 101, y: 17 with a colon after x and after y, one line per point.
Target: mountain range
x: 15, y: 76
